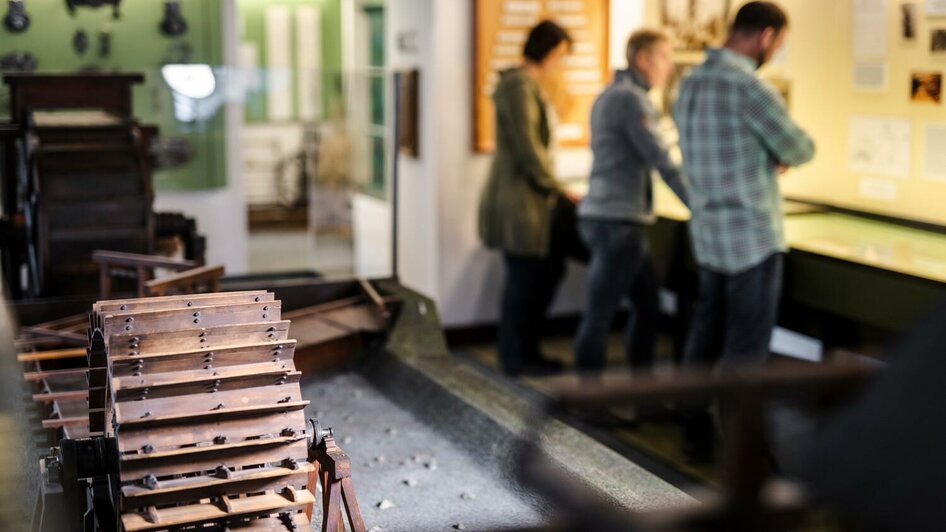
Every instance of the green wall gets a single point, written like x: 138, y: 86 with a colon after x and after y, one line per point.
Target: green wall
x: 254, y: 31
x: 137, y: 46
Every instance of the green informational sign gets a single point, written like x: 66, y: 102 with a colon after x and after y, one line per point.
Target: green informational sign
x: 134, y: 43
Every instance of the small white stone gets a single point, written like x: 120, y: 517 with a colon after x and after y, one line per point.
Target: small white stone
x: 376, y: 529
x: 467, y: 496
x: 391, y: 431
x: 385, y: 504
x: 380, y: 459
x: 431, y: 465
x: 459, y: 526
x: 346, y: 440
x: 410, y: 482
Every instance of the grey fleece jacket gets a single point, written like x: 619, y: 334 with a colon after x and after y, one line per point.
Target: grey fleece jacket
x: 627, y: 147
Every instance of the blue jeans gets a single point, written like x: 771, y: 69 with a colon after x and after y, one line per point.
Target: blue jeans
x: 620, y: 266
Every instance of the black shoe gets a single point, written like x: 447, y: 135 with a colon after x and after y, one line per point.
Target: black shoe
x: 699, y: 440
x: 699, y: 454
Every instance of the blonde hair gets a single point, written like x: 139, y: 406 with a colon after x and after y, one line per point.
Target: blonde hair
x: 641, y: 41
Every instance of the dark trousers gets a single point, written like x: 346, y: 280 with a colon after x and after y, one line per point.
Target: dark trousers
x: 732, y: 327
x: 734, y: 316
x: 621, y: 266
x: 530, y: 286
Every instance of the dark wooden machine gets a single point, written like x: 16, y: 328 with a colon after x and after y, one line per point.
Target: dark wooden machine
x: 77, y: 177
x: 185, y: 411
x: 195, y: 421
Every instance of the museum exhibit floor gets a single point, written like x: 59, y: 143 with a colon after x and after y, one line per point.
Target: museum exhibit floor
x: 407, y: 475
x: 657, y: 441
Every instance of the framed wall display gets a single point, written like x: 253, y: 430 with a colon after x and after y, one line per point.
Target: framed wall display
x: 408, y: 107
x: 695, y: 24
x: 500, y: 30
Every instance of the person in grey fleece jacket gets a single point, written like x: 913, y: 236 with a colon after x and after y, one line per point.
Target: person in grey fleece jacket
x: 614, y: 215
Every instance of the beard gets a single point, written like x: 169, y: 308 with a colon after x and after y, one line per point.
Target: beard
x: 764, y: 56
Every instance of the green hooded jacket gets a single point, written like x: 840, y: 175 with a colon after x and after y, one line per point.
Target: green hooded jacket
x: 516, y: 205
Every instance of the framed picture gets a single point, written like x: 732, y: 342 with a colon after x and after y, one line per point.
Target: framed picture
x: 908, y: 21
x: 695, y: 24
x: 500, y: 28
x: 408, y: 112
x: 926, y: 87
x: 938, y: 40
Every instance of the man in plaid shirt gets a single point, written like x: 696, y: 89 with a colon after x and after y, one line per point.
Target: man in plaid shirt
x: 736, y: 137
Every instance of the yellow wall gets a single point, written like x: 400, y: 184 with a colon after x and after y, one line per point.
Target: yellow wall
x: 820, y: 63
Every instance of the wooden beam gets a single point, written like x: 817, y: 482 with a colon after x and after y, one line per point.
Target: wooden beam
x: 57, y: 354
x: 36, y: 376
x: 77, y: 395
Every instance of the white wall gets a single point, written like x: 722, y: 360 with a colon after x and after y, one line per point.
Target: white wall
x: 221, y: 213
x: 419, y: 223
x: 440, y: 252
x: 372, y: 236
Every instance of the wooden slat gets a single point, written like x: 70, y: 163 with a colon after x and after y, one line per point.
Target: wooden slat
x: 179, y: 302
x: 56, y: 334
x: 195, y: 359
x: 359, y: 318
x: 220, y: 337
x: 36, y: 376
x: 326, y: 307
x: 193, y: 489
x: 63, y: 323
x: 235, y: 429
x: 267, y: 451
x: 118, y: 258
x: 273, y: 524
x: 34, y: 342
x: 215, y: 449
x: 158, y: 403
x: 77, y: 395
x: 56, y: 354
x: 190, y: 318
x: 55, y: 423
x: 210, y: 413
x: 209, y: 512
x: 184, y: 279
x: 373, y: 294
x: 241, y: 376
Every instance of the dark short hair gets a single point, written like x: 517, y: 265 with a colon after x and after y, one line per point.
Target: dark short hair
x: 543, y: 38
x: 755, y: 17
x: 642, y: 41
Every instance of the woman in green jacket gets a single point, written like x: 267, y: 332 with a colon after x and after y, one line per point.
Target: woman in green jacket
x: 516, y: 214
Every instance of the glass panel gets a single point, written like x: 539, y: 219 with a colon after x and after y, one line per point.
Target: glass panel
x: 377, y: 99
x: 309, y: 165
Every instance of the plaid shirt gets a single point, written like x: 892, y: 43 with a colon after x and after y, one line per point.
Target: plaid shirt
x: 734, y: 131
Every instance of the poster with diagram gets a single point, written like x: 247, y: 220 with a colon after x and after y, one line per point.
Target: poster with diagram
x: 500, y: 31
x: 880, y: 146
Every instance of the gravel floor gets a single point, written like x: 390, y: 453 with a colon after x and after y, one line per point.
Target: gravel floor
x: 408, y: 477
